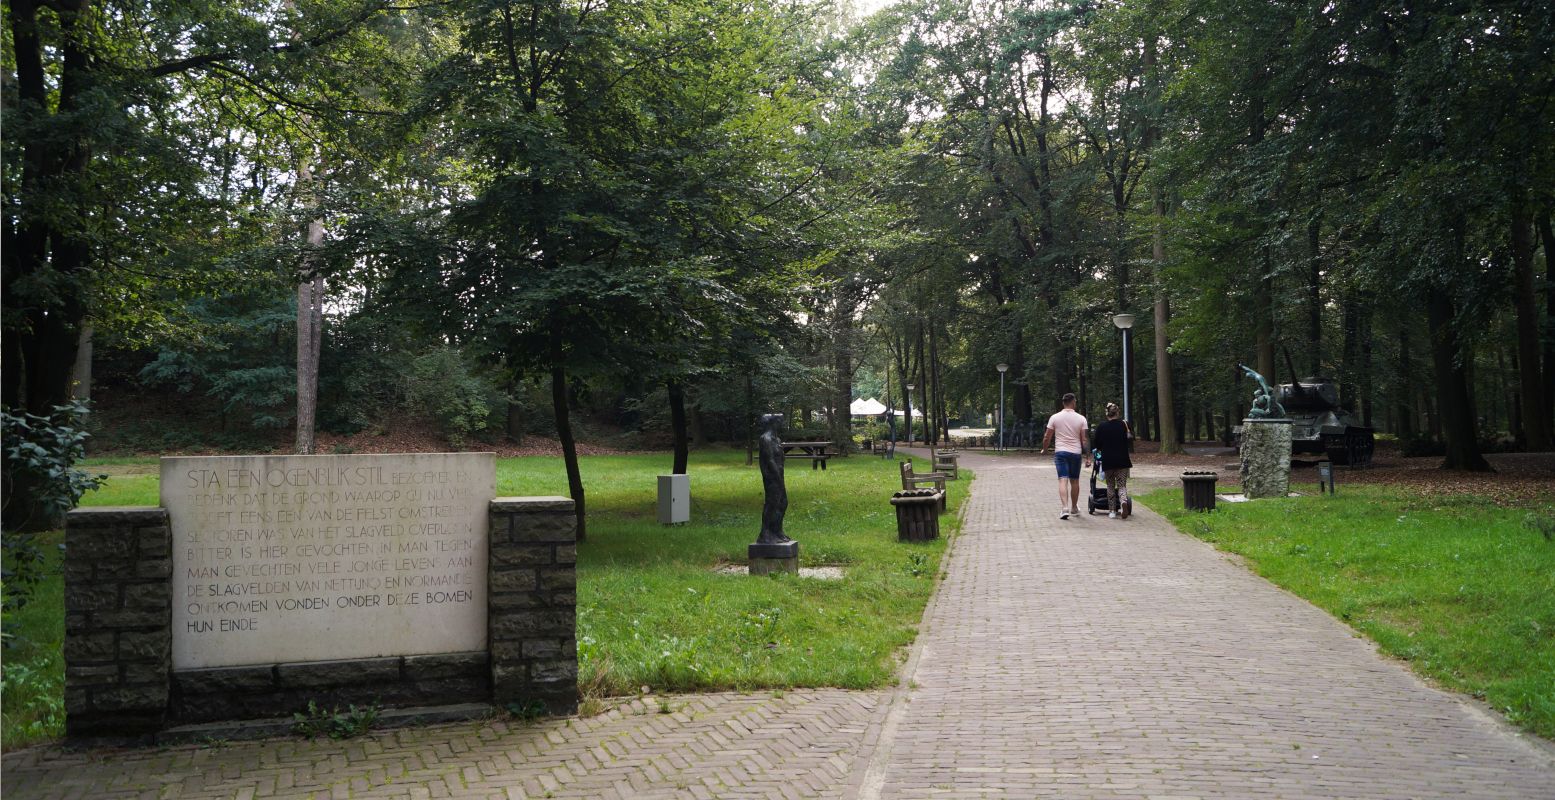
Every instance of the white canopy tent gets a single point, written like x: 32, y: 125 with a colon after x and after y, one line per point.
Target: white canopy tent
x: 866, y: 408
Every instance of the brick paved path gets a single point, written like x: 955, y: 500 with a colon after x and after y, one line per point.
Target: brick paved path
x: 799, y: 744
x: 1094, y: 658
x: 1079, y: 659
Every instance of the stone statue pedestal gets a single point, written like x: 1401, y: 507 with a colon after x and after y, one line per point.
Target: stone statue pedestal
x: 1265, y: 466
x: 766, y: 558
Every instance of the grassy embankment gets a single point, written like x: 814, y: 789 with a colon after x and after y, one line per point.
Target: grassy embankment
x: 1460, y: 588
x: 652, y: 608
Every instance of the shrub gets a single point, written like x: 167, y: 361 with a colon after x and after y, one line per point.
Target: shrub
x: 443, y: 387
x: 242, y: 352
x: 40, y: 483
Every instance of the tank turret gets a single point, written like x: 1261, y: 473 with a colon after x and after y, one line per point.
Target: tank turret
x: 1320, y: 425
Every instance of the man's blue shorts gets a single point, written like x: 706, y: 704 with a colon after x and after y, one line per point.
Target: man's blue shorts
x: 1068, y: 465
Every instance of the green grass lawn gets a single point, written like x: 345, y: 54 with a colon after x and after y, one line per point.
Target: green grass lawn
x: 1462, y: 589
x: 652, y: 608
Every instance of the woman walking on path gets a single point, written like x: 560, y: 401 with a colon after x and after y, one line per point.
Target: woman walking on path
x: 1112, y: 441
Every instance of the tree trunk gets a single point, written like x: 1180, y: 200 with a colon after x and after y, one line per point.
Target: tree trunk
x: 697, y: 425
x: 1314, y: 301
x: 842, y: 396
x: 1510, y: 401
x: 42, y: 333
x: 1367, y: 383
x: 1525, y: 301
x: 1406, y: 413
x: 81, y: 373
x: 564, y: 427
x: 1547, y: 239
x: 936, y: 397
x: 1454, y: 402
x: 1349, y: 316
x: 310, y: 314
x: 1021, y: 405
x: 1081, y: 393
x: 1166, y: 406
x: 923, y: 386
x: 750, y: 418
x: 310, y: 322
x: 903, y: 353
x: 677, y: 395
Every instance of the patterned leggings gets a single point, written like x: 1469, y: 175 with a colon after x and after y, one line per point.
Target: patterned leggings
x: 1117, y: 488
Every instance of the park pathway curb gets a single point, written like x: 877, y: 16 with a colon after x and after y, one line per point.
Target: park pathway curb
x: 1095, y: 658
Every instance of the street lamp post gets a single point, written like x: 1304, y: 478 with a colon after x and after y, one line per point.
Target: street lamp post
x: 1124, y: 322
x: 910, y: 387
x: 1003, y: 368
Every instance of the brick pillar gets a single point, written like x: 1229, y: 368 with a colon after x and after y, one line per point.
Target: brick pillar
x: 532, y: 622
x: 118, y: 617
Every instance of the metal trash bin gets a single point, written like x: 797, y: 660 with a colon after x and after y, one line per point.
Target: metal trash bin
x: 917, y: 514
x: 1198, y: 490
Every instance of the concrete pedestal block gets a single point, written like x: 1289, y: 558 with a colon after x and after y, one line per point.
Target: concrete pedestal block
x: 1265, y: 465
x: 767, y: 558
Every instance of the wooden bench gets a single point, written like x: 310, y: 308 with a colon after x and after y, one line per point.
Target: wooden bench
x: 911, y: 480
x: 945, y: 461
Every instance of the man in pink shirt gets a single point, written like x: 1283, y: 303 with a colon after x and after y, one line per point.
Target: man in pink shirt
x: 1069, y: 426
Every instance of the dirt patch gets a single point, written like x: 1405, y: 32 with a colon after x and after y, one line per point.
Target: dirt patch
x: 822, y: 573
x: 1520, y: 479
x: 413, y: 437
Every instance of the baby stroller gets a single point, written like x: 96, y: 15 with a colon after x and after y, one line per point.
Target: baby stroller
x: 1098, y: 498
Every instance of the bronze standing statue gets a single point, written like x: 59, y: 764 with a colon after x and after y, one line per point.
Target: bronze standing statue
x: 776, y: 503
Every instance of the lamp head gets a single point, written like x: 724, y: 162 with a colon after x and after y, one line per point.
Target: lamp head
x: 1003, y: 368
x: 1123, y: 321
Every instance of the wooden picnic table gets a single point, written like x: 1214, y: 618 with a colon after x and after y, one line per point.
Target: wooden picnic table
x: 817, y: 452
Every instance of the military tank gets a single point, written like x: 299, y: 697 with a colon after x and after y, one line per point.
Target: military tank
x: 1320, y: 425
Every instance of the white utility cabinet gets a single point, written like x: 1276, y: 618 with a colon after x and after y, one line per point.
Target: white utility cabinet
x: 674, y: 499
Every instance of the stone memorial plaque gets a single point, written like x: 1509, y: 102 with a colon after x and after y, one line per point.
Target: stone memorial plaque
x: 316, y: 558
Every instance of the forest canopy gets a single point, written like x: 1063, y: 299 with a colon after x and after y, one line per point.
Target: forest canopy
x: 496, y: 215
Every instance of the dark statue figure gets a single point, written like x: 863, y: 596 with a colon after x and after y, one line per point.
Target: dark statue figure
x: 771, y: 449
x: 1265, y: 406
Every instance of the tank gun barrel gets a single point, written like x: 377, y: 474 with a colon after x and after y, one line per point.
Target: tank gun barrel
x: 1296, y: 389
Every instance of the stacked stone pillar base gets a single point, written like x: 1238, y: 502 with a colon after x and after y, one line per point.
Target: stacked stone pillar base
x: 532, y: 598
x: 118, y: 608
x: 1265, y: 465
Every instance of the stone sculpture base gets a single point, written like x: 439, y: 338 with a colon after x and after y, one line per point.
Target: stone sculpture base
x: 1265, y: 466
x: 768, y: 558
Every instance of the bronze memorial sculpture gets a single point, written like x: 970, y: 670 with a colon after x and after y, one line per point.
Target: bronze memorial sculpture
x: 773, y: 550
x: 1265, y: 406
x: 1265, y: 444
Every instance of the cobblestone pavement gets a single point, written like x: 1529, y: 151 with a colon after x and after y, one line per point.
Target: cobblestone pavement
x: 1079, y: 659
x: 1095, y: 658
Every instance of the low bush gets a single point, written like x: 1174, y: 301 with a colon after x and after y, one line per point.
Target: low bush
x: 40, y: 483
